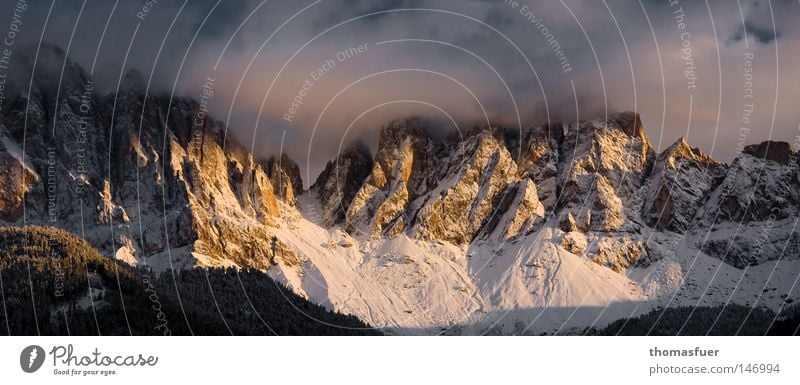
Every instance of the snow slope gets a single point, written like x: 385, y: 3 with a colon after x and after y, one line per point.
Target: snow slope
x: 529, y: 285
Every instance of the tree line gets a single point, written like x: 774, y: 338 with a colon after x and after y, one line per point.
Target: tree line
x: 720, y: 320
x: 54, y: 283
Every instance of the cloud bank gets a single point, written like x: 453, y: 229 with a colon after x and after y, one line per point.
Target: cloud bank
x: 308, y: 76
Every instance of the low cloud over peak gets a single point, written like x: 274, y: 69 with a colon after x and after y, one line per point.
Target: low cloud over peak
x: 341, y: 72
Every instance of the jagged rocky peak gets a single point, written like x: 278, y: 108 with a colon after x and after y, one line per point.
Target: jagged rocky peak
x: 341, y: 179
x: 538, y: 160
x: 681, y: 181
x: 284, y: 174
x: 49, y: 60
x: 517, y: 212
x: 681, y: 150
x: 54, y: 74
x: 405, y: 145
x: 604, y: 165
x: 761, y: 184
x: 631, y: 124
x: 133, y: 81
x: 403, y: 169
x: 508, y: 137
x: 167, y: 185
x: 479, y: 187
x: 780, y: 152
x: 749, y: 217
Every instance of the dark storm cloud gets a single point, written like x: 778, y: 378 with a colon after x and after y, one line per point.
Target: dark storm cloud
x: 611, y: 67
x: 353, y: 8
x: 763, y: 35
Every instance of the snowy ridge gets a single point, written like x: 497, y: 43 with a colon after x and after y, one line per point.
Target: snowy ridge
x: 414, y: 286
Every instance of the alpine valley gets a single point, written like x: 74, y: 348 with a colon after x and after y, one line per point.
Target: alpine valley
x: 553, y: 229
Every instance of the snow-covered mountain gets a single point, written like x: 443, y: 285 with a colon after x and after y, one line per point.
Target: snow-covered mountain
x: 551, y: 229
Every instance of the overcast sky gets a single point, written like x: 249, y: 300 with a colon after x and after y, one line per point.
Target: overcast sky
x: 442, y: 59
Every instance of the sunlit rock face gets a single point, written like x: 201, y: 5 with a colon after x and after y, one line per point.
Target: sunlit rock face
x: 136, y: 175
x: 402, y: 171
x: 604, y: 166
x: 340, y: 181
x: 538, y: 159
x: 284, y: 175
x: 481, y: 180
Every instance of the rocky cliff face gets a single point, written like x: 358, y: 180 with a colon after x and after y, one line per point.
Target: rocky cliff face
x: 134, y: 174
x: 480, y: 184
x: 403, y: 170
x: 604, y: 167
x: 600, y: 180
x: 538, y: 160
x: 340, y: 181
x: 17, y: 178
x: 284, y: 175
x: 779, y: 152
x: 749, y: 217
x: 679, y: 185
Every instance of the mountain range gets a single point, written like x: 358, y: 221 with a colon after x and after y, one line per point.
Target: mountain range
x: 548, y: 229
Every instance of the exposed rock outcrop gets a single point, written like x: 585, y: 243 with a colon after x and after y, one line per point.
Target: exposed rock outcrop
x: 780, y: 152
x: 680, y: 183
x: 538, y: 160
x: 518, y: 212
x: 200, y: 199
x: 403, y: 170
x: 341, y: 180
x: 284, y: 175
x: 749, y: 217
x: 17, y: 177
x: 480, y: 172
x: 604, y: 166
